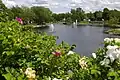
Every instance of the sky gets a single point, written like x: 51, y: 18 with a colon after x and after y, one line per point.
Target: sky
x: 61, y: 6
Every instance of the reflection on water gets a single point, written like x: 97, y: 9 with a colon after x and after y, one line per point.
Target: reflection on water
x: 87, y: 38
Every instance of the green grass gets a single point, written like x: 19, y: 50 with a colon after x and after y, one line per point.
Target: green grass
x: 113, y: 31
x: 84, y: 22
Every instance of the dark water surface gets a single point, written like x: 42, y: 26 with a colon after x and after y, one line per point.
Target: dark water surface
x: 87, y: 38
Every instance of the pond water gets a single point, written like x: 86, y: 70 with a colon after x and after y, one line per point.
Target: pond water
x: 87, y: 38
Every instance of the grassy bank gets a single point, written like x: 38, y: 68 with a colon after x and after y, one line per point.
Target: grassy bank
x: 113, y: 31
x: 112, y: 25
x: 89, y: 23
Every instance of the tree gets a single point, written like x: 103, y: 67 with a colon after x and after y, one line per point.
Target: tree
x: 27, y: 15
x: 2, y: 6
x: 106, y: 14
x: 98, y: 15
x: 42, y: 14
x: 78, y: 14
x: 91, y: 16
x: 4, y: 12
x: 17, y: 11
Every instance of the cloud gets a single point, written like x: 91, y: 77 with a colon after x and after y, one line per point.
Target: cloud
x: 66, y: 5
x: 9, y: 3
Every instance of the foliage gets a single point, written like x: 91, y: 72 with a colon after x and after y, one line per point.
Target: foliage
x: 106, y: 14
x: 21, y: 48
x: 112, y: 21
x: 110, y: 17
x: 2, y: 6
x: 84, y: 22
x: 28, y: 15
x: 91, y: 16
x: 105, y: 63
x: 98, y: 15
x: 41, y: 14
x: 77, y: 14
x: 113, y: 31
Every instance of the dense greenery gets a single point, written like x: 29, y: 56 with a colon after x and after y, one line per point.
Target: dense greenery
x: 110, y: 17
x: 113, y: 31
x: 38, y: 15
x: 20, y: 49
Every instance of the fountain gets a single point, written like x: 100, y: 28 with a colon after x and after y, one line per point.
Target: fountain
x: 52, y: 28
x: 76, y: 22
x: 74, y: 25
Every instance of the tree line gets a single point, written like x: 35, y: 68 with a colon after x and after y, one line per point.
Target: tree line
x: 109, y: 16
x: 35, y: 14
x: 41, y: 15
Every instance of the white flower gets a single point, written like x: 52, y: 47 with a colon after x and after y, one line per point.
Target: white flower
x: 109, y: 47
x: 117, y: 40
x: 108, y: 40
x: 70, y: 52
x: 27, y: 70
x: 94, y: 55
x: 118, y: 53
x: 83, y: 63
x: 105, y: 62
x: 112, y: 56
x: 21, y: 70
x: 56, y: 79
x: 30, y: 73
x: 113, y: 52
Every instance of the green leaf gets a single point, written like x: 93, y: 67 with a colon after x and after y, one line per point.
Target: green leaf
x: 8, y: 76
x: 111, y: 74
x: 118, y: 71
x: 95, y: 71
x: 10, y: 53
x: 2, y: 37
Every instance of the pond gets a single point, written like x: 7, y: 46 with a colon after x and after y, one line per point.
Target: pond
x: 87, y: 38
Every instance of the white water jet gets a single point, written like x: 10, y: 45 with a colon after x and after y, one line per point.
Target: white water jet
x: 74, y: 25
x: 52, y: 27
x: 76, y: 22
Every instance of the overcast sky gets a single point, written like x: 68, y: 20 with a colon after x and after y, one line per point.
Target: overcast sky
x: 59, y: 6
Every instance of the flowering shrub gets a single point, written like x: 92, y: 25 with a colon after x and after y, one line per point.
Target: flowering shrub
x: 21, y: 49
x: 19, y: 20
x: 26, y: 55
x: 30, y: 73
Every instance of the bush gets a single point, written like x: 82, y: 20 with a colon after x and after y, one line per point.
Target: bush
x: 22, y: 48
x: 113, y: 20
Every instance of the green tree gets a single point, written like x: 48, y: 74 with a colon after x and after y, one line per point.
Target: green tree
x: 98, y: 15
x: 42, y: 14
x: 2, y: 6
x: 17, y: 11
x: 91, y: 16
x: 106, y: 14
x: 4, y: 12
x: 78, y: 14
x: 28, y: 15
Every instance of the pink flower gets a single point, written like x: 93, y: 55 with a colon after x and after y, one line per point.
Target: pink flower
x: 19, y: 20
x: 57, y: 54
